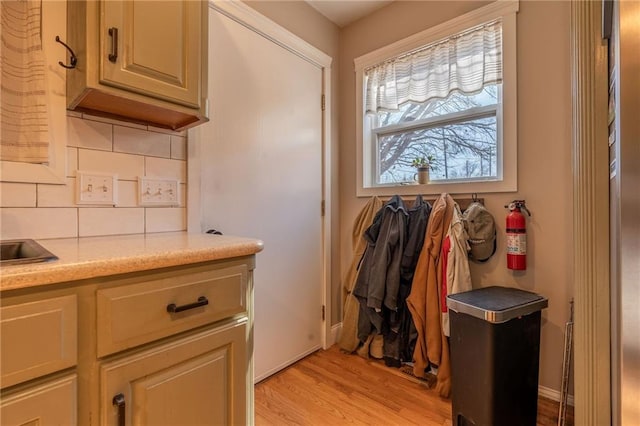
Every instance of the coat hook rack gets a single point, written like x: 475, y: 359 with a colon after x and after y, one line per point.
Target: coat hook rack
x: 464, y: 203
x: 73, y: 59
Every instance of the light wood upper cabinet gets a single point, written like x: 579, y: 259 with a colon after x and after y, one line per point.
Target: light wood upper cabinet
x: 143, y: 61
x: 158, y: 50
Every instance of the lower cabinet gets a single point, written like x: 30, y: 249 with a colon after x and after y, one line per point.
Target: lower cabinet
x: 38, y: 340
x: 52, y: 403
x: 200, y: 379
x: 167, y: 347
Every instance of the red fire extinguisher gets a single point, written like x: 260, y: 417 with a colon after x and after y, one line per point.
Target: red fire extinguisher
x: 516, y: 236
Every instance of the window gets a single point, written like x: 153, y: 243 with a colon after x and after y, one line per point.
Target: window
x: 447, y: 94
x: 459, y: 134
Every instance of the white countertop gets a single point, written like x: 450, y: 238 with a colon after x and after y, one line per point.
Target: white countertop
x: 89, y: 257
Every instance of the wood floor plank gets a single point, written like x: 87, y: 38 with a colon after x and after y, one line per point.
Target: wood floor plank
x: 349, y: 402
x: 277, y: 408
x: 378, y: 385
x: 333, y: 388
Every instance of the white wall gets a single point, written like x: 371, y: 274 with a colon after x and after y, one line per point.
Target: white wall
x: 29, y: 210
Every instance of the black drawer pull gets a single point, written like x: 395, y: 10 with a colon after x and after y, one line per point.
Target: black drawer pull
x: 118, y: 401
x: 173, y: 308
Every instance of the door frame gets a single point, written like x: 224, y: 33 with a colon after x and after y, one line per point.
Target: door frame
x: 592, y: 367
x: 258, y: 23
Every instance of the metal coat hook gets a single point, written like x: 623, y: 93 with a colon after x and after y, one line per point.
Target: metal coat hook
x: 73, y: 59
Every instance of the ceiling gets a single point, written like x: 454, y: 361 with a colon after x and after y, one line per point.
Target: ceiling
x: 344, y: 12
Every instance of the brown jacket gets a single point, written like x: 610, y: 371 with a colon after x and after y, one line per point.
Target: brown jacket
x: 349, y: 334
x: 424, y: 302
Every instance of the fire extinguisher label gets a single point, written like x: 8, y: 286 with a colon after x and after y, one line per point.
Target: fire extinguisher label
x: 517, y: 244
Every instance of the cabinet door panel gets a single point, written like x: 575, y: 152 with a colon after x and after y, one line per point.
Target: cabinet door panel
x: 162, y: 392
x: 166, y: 61
x: 158, y: 48
x: 37, y: 338
x: 53, y: 403
x: 200, y: 379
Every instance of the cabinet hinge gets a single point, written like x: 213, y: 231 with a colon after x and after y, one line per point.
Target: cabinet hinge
x: 322, y: 208
x: 322, y: 102
x: 323, y: 312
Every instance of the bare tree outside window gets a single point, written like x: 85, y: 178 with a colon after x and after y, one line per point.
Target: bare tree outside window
x: 463, y: 147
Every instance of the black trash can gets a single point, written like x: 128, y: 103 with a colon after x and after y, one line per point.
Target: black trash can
x: 495, y: 350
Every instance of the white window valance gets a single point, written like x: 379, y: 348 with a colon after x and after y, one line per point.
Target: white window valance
x: 464, y: 62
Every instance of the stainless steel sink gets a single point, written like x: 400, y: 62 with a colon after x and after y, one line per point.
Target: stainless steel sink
x: 17, y: 252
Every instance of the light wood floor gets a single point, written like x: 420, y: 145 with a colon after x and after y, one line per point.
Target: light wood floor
x: 333, y: 388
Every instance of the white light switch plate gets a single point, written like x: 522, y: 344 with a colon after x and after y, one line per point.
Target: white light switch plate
x: 96, y: 188
x: 158, y: 192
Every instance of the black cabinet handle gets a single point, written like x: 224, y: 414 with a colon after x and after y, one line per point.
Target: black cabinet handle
x: 113, y: 32
x: 119, y: 402
x: 173, y: 308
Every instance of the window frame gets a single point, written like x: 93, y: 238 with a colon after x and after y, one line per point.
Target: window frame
x: 506, y: 111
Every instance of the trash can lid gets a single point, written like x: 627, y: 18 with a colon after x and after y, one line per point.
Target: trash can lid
x: 496, y: 304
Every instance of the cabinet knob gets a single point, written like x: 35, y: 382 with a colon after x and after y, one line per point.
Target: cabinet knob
x: 118, y: 401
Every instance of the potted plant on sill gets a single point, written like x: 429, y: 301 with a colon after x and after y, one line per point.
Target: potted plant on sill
x: 422, y: 165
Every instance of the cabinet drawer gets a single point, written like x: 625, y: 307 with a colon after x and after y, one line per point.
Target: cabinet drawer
x: 135, y: 313
x: 53, y: 403
x: 38, y: 338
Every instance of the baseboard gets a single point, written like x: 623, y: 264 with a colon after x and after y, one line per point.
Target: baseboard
x: 335, y: 334
x: 553, y: 394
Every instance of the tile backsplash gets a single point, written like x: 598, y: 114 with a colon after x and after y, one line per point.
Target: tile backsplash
x: 94, y: 144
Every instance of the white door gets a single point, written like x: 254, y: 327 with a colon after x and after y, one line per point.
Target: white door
x: 261, y: 173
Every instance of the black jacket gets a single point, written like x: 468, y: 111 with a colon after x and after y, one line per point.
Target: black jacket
x: 379, y: 276
x: 399, y: 339
x: 417, y: 224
